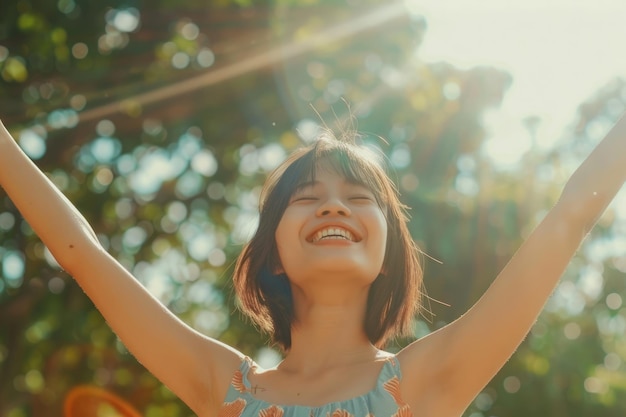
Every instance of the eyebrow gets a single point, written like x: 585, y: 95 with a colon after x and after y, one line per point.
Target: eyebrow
x: 312, y: 184
x: 304, y: 185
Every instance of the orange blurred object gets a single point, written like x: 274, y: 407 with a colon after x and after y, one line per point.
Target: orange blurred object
x: 91, y: 401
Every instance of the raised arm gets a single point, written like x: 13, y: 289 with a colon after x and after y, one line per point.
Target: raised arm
x: 471, y: 350
x: 191, y: 365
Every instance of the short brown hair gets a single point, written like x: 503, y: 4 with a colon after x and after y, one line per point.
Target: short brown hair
x: 394, y: 296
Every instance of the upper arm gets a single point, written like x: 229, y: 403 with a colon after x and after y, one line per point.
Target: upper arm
x: 457, y: 361
x: 195, y: 367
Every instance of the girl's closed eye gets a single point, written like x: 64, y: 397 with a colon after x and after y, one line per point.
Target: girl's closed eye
x: 305, y: 197
x: 361, y: 197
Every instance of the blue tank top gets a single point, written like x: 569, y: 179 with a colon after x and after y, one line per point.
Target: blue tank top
x: 382, y: 401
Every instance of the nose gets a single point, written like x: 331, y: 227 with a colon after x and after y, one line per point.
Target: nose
x: 333, y: 207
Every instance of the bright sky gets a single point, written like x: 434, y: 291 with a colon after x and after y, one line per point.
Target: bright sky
x: 559, y: 52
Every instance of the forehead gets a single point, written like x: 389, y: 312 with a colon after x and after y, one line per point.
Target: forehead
x: 335, y: 169
x: 325, y: 175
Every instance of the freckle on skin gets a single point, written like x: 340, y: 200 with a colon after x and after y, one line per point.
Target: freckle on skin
x: 71, y: 246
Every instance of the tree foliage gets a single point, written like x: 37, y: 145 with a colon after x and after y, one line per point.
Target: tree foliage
x: 160, y: 120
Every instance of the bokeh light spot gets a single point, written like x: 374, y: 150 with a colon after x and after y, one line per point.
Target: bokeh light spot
x: 613, y: 301
x: 483, y: 401
x: 188, y: 185
x: 451, y: 91
x: 216, y: 190
x: 205, y: 163
x: 217, y: 257
x: 595, y: 385
x: 512, y: 384
x: 308, y: 130
x: 66, y: 6
x: 205, y: 57
x: 612, y: 361
x: 400, y: 156
x: 7, y: 221
x: 56, y: 285
x: 58, y: 36
x: 32, y: 143
x: 105, y: 128
x: 134, y: 237
x: 78, y: 102
x: 13, y: 268
x: 80, y: 50
x: 124, y: 20
x: 180, y: 60
x: 190, y: 31
x: 4, y: 53
x: 105, y: 149
x: 59, y: 119
x: 572, y: 331
x: 270, y: 156
x: 177, y: 211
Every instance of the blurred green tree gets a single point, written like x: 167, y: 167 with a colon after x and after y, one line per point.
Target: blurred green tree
x: 160, y: 121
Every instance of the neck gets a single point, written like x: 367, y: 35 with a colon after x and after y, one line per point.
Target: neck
x: 328, y: 331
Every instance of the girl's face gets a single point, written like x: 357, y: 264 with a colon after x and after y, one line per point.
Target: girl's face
x: 332, y: 229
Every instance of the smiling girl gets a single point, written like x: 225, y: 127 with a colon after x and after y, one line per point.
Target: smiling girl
x: 332, y: 274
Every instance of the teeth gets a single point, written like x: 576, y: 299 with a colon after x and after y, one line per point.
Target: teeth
x: 333, y: 233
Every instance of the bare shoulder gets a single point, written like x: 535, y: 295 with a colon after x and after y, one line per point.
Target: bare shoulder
x: 419, y: 357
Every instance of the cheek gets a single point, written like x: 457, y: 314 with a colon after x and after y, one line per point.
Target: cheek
x: 382, y: 227
x: 280, y: 241
x: 284, y: 232
x: 286, y: 239
x: 383, y: 240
